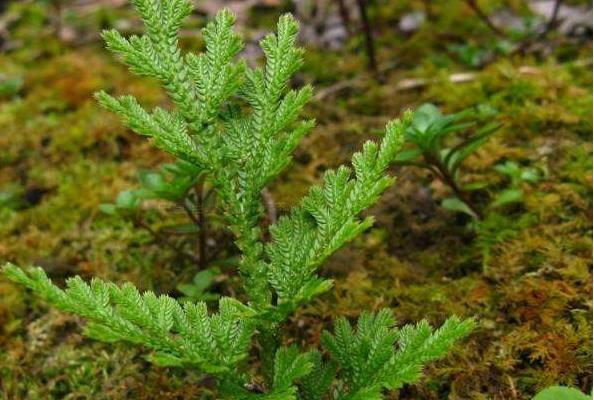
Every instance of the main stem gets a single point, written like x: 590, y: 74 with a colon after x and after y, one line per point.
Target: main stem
x: 451, y: 182
x: 269, y: 343
x: 201, y: 220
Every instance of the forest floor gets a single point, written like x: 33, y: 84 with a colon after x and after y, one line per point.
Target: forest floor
x: 524, y: 271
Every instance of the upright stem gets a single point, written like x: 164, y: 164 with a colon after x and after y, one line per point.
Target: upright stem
x: 451, y: 182
x: 58, y: 16
x: 163, y: 239
x: 270, y: 206
x: 553, y: 20
x: 369, y: 44
x: 344, y: 16
x: 202, y: 222
x: 269, y: 343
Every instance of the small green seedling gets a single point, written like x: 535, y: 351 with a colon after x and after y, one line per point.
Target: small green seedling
x: 517, y: 176
x: 428, y: 133
x: 197, y: 290
x: 174, y: 183
x: 498, y: 226
x: 177, y: 187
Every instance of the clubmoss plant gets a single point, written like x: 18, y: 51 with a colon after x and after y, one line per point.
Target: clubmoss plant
x: 240, y: 126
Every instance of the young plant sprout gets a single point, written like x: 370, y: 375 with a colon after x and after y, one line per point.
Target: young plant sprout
x: 427, y: 133
x: 517, y: 177
x: 178, y: 187
x: 181, y: 187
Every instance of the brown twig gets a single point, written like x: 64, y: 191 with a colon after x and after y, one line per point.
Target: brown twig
x: 369, y: 44
x: 416, y: 83
x: 344, y: 16
x: 549, y: 26
x: 359, y: 80
x: 485, y: 18
x: 428, y: 10
x: 201, y: 221
x: 190, y: 213
x: 448, y: 179
x: 552, y: 23
x: 270, y: 206
x: 160, y: 237
x: 58, y: 7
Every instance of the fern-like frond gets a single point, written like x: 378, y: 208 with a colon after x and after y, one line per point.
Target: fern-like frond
x: 377, y: 356
x: 157, y: 53
x: 180, y: 335
x: 274, y: 109
x: 197, y: 84
x: 419, y: 344
x: 216, y: 76
x: 289, y: 366
x: 258, y: 146
x: 168, y: 130
x: 328, y: 218
x: 238, y: 127
x: 316, y: 384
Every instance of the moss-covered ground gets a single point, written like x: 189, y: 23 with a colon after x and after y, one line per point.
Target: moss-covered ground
x: 524, y: 272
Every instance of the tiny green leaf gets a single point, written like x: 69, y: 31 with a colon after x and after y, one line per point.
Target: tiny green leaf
x: 508, y: 196
x: 455, y: 204
x: 561, y: 393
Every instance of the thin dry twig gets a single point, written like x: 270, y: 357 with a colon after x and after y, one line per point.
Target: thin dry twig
x: 202, y: 224
x: 485, y: 18
x: 345, y: 17
x: 553, y: 20
x: 270, y: 206
x: 160, y: 237
x: 369, y: 44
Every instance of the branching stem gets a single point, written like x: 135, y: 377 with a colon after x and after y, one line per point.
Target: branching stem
x: 163, y: 239
x: 449, y: 180
x: 202, y: 224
